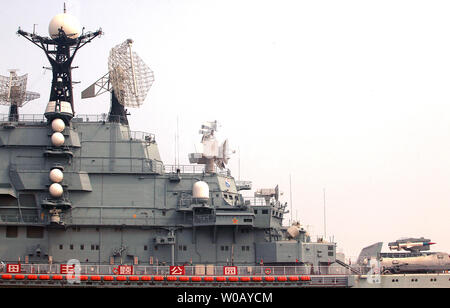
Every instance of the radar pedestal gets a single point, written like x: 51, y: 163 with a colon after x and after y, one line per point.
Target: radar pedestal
x: 117, y: 112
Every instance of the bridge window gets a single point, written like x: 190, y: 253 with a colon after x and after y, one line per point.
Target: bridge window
x: 12, y: 231
x: 35, y: 232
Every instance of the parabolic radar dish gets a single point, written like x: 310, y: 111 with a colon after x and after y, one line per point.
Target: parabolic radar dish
x: 13, y: 90
x: 130, y: 77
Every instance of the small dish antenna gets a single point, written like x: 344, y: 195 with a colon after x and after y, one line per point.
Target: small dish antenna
x: 128, y: 79
x: 13, y: 93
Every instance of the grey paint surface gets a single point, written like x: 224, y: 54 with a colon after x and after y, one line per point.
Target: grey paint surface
x: 121, y: 205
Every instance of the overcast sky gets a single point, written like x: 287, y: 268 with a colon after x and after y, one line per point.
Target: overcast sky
x: 350, y: 96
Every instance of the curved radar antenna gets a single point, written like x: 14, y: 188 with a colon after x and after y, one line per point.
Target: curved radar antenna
x: 129, y: 75
x: 13, y: 93
x: 128, y: 79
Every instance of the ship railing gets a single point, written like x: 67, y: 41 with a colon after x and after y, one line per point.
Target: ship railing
x: 197, y: 270
x: 204, y: 219
x: 258, y: 201
x: 184, y: 201
x: 91, y: 118
x: 193, y: 169
x: 99, y: 118
x: 22, y: 219
x: 327, y: 280
x: 244, y: 185
x: 94, y: 164
x: 23, y: 118
x: 255, y: 201
x: 41, y: 118
x: 144, y: 136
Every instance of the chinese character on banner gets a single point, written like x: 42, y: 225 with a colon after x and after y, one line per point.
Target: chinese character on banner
x: 13, y: 268
x: 125, y: 270
x: 177, y: 270
x: 230, y: 270
x: 67, y: 269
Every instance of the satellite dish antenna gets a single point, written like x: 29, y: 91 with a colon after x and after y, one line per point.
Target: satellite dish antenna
x: 13, y: 93
x: 128, y: 79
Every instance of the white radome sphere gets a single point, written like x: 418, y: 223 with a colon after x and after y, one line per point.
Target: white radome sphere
x: 56, y: 190
x: 58, y: 125
x: 69, y: 24
x: 56, y: 175
x: 58, y: 139
x: 200, y: 190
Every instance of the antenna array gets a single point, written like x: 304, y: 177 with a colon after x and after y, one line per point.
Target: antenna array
x: 13, y: 93
x: 128, y: 79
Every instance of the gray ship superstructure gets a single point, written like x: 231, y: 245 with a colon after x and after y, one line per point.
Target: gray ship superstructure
x: 89, y: 188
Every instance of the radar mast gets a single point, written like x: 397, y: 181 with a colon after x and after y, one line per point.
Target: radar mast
x: 66, y: 38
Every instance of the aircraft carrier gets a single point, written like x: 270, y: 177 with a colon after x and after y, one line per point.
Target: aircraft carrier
x: 87, y: 202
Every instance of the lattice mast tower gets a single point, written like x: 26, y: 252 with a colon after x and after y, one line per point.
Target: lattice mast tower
x: 66, y: 38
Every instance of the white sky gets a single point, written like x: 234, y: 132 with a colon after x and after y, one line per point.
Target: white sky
x: 351, y: 96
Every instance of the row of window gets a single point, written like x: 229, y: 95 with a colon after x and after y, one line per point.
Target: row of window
x: 230, y: 197
x: 71, y: 247
x: 265, y: 212
x: 32, y: 232
x: 38, y: 232
x: 223, y: 248
x: 226, y: 248
x: 93, y: 247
